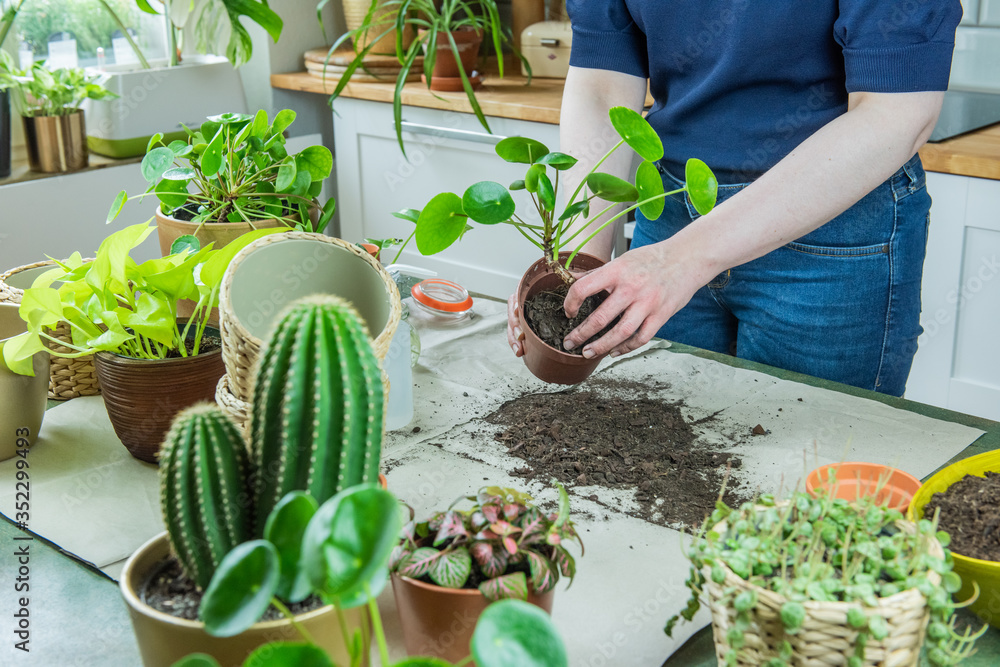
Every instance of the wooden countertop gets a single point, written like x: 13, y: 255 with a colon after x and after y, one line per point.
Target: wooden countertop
x: 974, y: 154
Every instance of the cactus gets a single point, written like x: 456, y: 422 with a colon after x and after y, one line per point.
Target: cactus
x: 318, y: 405
x: 204, y: 472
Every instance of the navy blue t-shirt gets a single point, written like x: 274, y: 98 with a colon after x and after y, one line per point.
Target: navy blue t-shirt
x: 739, y: 84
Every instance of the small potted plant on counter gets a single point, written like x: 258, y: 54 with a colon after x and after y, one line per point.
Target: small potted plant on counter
x: 49, y: 105
x: 149, y: 363
x: 810, y: 576
x: 232, y: 175
x: 459, y: 561
x: 446, y: 218
x: 319, y: 371
x: 449, y: 33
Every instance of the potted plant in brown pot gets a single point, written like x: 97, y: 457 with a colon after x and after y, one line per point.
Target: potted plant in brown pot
x: 49, y: 105
x: 559, y: 235
x: 222, y: 500
x: 232, y: 175
x: 149, y: 363
x: 455, y: 564
x: 449, y: 34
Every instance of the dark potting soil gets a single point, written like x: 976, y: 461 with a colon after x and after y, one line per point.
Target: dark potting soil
x: 612, y: 434
x: 970, y: 513
x: 546, y: 315
x: 208, y: 344
x: 169, y: 590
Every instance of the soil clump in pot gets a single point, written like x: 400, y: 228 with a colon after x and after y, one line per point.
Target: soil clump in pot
x: 546, y: 315
x: 595, y: 436
x: 970, y: 514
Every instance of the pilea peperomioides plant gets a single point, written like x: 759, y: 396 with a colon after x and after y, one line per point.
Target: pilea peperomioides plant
x: 445, y: 218
x: 812, y: 550
x: 317, y: 428
x: 500, y: 546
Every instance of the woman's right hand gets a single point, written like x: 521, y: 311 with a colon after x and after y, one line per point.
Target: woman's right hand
x: 515, y: 337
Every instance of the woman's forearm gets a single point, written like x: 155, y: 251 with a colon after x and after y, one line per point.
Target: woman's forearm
x: 824, y: 176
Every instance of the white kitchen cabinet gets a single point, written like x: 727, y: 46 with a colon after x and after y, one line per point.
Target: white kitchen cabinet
x: 448, y: 151
x: 957, y: 365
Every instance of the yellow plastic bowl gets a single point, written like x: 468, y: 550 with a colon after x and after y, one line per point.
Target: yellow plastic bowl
x: 986, y: 573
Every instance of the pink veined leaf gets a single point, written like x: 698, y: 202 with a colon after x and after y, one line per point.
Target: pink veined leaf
x: 399, y: 553
x: 510, y: 545
x: 511, y: 511
x: 510, y: 586
x: 452, y: 568
x: 504, y: 528
x: 409, y: 532
x: 435, y: 521
x: 452, y: 525
x: 553, y: 539
x: 419, y: 563
x: 492, y: 562
x: 533, y: 530
x: 485, y: 536
x: 515, y: 558
x: 492, y: 513
x: 478, y: 521
x: 566, y: 562
x: 543, y: 574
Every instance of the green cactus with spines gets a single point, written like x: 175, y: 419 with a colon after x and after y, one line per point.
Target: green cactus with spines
x: 204, y: 477
x: 318, y: 405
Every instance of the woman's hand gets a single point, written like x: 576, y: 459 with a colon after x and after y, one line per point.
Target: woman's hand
x: 515, y: 336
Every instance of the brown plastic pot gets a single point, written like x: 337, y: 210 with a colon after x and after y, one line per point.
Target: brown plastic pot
x: 439, y: 621
x: 446, y: 69
x: 544, y: 361
x: 143, y: 395
x: 164, y: 639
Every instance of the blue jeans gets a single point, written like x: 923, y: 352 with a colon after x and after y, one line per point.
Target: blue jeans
x: 841, y: 303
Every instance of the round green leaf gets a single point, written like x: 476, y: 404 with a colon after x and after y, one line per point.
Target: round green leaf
x: 546, y: 193
x: 186, y: 242
x: 576, y: 208
x: 153, y: 140
x: 410, y: 214
x: 171, y: 193
x: 440, y: 224
x: 317, y: 160
x: 702, y: 185
x: 287, y: 173
x: 241, y: 589
x: 611, y: 188
x: 288, y: 654
x: 285, y: 526
x: 531, y: 177
x: 488, y: 202
x: 517, y: 185
x: 649, y: 184
x: 179, y: 174
x: 557, y: 160
x: 348, y: 542
x: 282, y: 120
x: 521, y: 149
x: 637, y: 133
x: 155, y: 163
x: 211, y: 159
x: 230, y: 118
x: 512, y: 632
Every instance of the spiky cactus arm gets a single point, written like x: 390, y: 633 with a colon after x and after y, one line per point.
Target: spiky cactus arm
x: 318, y: 405
x: 204, y: 472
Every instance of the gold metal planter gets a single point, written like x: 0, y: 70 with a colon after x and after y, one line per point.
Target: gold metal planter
x: 56, y: 143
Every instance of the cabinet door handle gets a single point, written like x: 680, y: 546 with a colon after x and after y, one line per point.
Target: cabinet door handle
x: 448, y: 133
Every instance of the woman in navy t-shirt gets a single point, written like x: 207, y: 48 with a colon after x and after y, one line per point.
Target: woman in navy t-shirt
x: 811, y: 115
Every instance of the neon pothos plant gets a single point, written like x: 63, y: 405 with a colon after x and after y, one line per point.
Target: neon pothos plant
x: 340, y: 551
x: 824, y: 549
x: 445, y: 218
x: 114, y: 304
x: 500, y: 545
x: 235, y: 168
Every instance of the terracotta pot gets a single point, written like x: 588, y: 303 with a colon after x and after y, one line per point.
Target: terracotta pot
x: 439, y: 621
x: 889, y: 486
x: 142, y: 395
x: 23, y: 404
x: 544, y: 361
x: 447, y: 76
x: 170, y: 229
x: 56, y: 143
x: 164, y: 639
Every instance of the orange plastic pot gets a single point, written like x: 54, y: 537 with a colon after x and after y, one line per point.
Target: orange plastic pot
x: 439, y: 621
x: 890, y: 486
x: 544, y: 361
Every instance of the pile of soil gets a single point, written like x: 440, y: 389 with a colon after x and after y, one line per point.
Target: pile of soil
x: 169, y: 590
x: 208, y: 344
x: 970, y: 513
x: 546, y: 315
x: 596, y: 436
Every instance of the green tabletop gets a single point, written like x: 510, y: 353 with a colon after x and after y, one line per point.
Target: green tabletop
x: 78, y: 617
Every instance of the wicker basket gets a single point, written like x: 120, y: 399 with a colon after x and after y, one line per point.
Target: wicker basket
x: 825, y: 639
x: 68, y: 378
x: 241, y: 348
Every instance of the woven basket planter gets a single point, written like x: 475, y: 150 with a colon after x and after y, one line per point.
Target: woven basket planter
x: 825, y: 638
x: 68, y: 378
x: 254, y: 291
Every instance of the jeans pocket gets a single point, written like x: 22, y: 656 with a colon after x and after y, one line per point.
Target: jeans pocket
x: 839, y: 251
